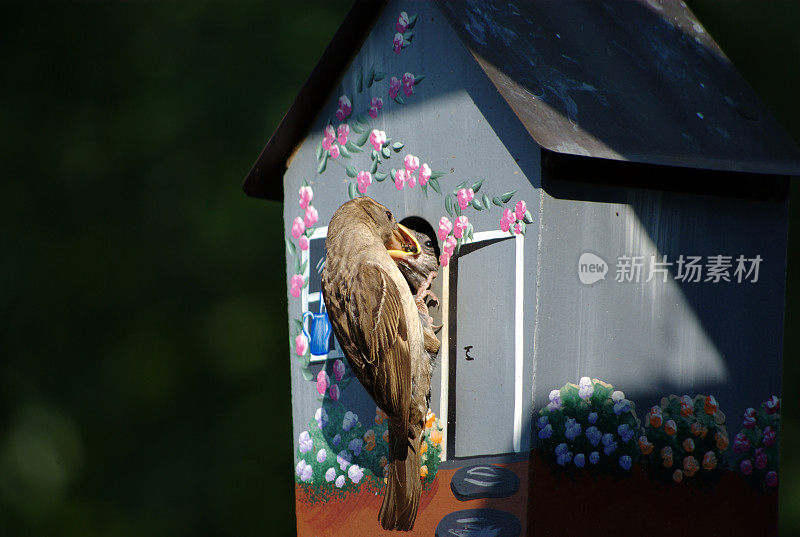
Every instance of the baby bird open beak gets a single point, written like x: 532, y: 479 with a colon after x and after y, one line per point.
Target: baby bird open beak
x: 402, y: 243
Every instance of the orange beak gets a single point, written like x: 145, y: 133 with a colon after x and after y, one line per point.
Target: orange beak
x: 402, y: 244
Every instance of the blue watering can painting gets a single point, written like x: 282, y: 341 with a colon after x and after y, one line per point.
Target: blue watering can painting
x: 320, y: 331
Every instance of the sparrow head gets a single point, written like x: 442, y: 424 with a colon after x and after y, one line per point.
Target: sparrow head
x: 398, y: 240
x: 415, y: 268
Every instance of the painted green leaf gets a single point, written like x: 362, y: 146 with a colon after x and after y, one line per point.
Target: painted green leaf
x: 419, y: 79
x: 459, y: 186
x: 307, y: 374
x: 448, y: 205
x: 436, y: 175
x: 486, y: 204
x: 344, y: 382
x: 477, y: 186
x: 352, y: 147
x: 457, y: 208
x: 319, y: 150
x: 297, y: 265
x: 507, y: 196
x: 308, y: 232
x: 458, y: 246
x: 290, y: 247
x: 407, y: 42
x: 412, y: 20
x: 351, y: 190
x: 470, y: 231
x: 360, y: 81
x: 374, y: 167
x: 379, y: 75
x: 524, y: 227
x: 297, y: 325
x: 399, y: 100
x: 381, y: 176
x: 476, y: 205
x: 393, y: 173
x: 351, y: 171
x: 305, y: 182
x: 371, y: 76
x: 424, y: 189
x: 398, y: 146
x: 361, y: 140
x: 344, y: 152
x: 323, y: 163
x: 375, y: 155
x: 496, y: 201
x: 358, y: 128
x: 408, y: 34
x: 386, y: 152
x: 363, y: 119
x: 528, y: 219
x: 303, y: 267
x: 435, y: 185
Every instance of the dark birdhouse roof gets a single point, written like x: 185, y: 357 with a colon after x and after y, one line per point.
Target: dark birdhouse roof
x: 638, y: 81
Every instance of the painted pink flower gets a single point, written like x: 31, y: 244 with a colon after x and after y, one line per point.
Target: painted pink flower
x: 397, y: 43
x: 444, y: 259
x: 519, y: 210
x: 408, y: 84
x: 771, y: 479
x: 770, y: 437
x: 506, y: 220
x: 340, y: 114
x: 306, y: 194
x: 424, y: 174
x: 345, y: 105
x: 323, y: 381
x: 296, y: 285
x: 749, y: 418
x: 334, y: 151
x: 411, y: 163
x: 376, y: 102
x: 412, y: 181
x: 298, y: 227
x: 773, y: 404
x: 364, y: 179
x: 300, y: 344
x: 445, y: 227
x: 334, y: 392
x: 394, y: 87
x: 311, y: 216
x: 460, y: 226
x: 338, y: 370
x: 328, y: 138
x: 402, y: 22
x: 373, y: 112
x: 343, y: 132
x: 464, y: 196
x: 746, y: 467
x: 377, y: 139
x: 449, y: 245
x: 303, y: 242
x: 740, y: 443
x: 400, y: 178
x: 518, y: 228
x: 761, y: 458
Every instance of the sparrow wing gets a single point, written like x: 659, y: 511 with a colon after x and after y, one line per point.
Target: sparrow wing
x: 378, y: 324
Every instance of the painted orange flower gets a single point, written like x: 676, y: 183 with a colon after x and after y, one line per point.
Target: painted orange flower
x: 645, y: 446
x: 710, y: 406
x: 423, y: 472
x: 656, y: 420
x: 709, y: 460
x: 668, y: 461
x: 436, y: 436
x: 423, y: 448
x: 687, y: 406
x: 722, y: 441
x: 677, y: 476
x: 383, y: 462
x: 369, y: 440
x: 688, y: 445
x: 690, y: 466
x: 430, y: 418
x: 699, y: 430
x: 670, y: 428
x: 380, y: 415
x: 386, y: 436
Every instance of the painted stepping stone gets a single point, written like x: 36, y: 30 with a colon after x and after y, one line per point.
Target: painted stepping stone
x: 479, y: 523
x: 483, y: 481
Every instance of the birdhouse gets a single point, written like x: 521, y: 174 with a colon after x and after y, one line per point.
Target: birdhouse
x: 607, y: 201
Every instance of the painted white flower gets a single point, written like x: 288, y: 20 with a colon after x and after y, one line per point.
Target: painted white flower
x: 355, y: 473
x: 349, y: 421
x: 355, y: 446
x: 585, y: 388
x: 304, y: 470
x: 617, y: 396
x: 322, y: 455
x: 322, y: 417
x: 555, y: 400
x: 330, y: 475
x: 344, y: 458
x: 339, y: 482
x: 305, y: 441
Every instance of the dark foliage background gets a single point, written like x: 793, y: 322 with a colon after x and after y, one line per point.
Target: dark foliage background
x: 143, y: 348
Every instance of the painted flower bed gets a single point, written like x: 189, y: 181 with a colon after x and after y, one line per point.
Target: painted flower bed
x: 755, y: 446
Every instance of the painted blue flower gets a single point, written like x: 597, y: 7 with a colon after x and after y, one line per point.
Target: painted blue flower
x: 594, y: 435
x: 546, y: 432
x: 572, y: 429
x: 592, y: 417
x: 564, y: 458
x: 625, y: 461
x: 594, y: 457
x: 579, y: 460
x: 561, y: 449
x: 337, y: 439
x: 625, y: 432
x: 542, y: 422
x: 609, y: 443
x: 622, y: 406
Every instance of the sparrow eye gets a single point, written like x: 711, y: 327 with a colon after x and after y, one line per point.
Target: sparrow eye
x: 389, y: 215
x: 428, y: 244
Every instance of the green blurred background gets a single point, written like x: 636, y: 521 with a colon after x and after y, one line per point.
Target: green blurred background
x: 144, y: 381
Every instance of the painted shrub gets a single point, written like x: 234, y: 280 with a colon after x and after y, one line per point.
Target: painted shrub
x: 588, y: 426
x: 685, y: 438
x: 755, y: 446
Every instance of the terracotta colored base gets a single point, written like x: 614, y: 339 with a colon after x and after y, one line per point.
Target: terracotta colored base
x: 564, y: 505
